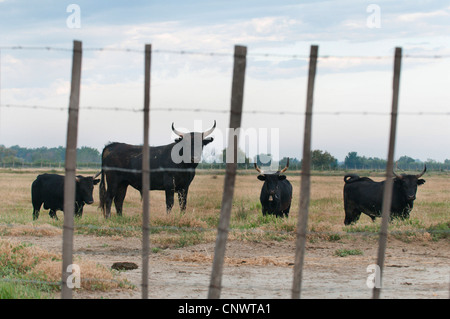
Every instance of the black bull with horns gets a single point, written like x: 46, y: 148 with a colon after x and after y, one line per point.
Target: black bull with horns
x: 276, y: 192
x: 363, y: 195
x: 172, y: 169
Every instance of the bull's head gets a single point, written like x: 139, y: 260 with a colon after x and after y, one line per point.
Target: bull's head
x: 270, y: 187
x: 85, y: 187
x: 409, y: 183
x: 190, y: 145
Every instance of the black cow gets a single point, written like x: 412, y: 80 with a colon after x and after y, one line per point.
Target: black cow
x: 363, y: 195
x: 48, y: 189
x: 172, y: 169
x: 276, y: 193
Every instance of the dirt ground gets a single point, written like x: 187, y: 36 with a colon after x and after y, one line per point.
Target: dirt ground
x: 419, y: 270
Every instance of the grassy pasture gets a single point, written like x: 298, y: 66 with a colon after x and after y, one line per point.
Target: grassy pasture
x: 429, y: 218
x: 19, y: 261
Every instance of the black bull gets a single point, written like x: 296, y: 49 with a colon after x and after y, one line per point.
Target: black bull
x: 172, y: 169
x: 48, y: 189
x: 363, y: 195
x: 276, y: 192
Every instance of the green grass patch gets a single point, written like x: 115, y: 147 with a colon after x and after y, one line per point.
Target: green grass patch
x: 440, y: 230
x: 347, y: 252
x: 14, y: 290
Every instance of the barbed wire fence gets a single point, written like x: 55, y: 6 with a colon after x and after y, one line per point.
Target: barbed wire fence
x: 240, y: 56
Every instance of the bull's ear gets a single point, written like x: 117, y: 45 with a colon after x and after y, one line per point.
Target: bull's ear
x: 178, y: 139
x: 281, y: 177
x: 207, y: 140
x: 95, y: 181
x: 420, y: 181
x: 261, y: 177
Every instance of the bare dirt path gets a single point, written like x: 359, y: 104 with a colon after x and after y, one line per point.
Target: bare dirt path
x: 265, y: 269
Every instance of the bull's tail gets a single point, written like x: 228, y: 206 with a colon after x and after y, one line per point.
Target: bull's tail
x: 102, y: 188
x: 350, y: 178
x: 102, y: 192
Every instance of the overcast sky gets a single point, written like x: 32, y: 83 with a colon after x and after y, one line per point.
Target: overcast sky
x: 356, y: 42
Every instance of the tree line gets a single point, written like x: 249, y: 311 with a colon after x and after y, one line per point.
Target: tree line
x: 320, y: 160
x: 323, y: 160
x: 44, y: 156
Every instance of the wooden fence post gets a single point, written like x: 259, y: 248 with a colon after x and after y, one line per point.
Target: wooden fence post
x: 237, y: 97
x: 387, y: 193
x: 146, y: 175
x: 305, y: 179
x: 70, y: 170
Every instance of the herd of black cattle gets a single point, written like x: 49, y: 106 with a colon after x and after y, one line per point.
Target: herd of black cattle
x: 173, y: 169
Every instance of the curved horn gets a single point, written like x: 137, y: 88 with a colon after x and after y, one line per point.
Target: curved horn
x: 180, y: 134
x: 96, y: 175
x: 287, y: 165
x: 258, y: 169
x: 206, y: 133
x: 423, y: 172
x: 393, y: 171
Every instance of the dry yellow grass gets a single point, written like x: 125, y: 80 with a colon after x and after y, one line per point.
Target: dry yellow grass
x: 35, y: 262
x: 326, y: 211
x: 196, y: 257
x: 30, y: 230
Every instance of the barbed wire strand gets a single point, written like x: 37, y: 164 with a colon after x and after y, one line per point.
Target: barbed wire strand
x: 223, y: 111
x: 210, y: 53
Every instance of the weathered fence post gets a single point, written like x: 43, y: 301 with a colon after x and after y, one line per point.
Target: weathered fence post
x: 70, y: 170
x: 146, y: 175
x: 237, y: 97
x: 305, y: 179
x: 387, y: 193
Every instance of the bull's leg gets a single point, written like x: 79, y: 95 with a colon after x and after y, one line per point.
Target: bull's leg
x: 36, y: 209
x: 286, y: 212
x: 52, y: 214
x: 78, y: 210
x: 264, y: 211
x: 351, y: 215
x: 182, y: 199
x: 35, y: 200
x: 35, y: 214
x: 108, y: 202
x: 169, y: 199
x: 119, y: 198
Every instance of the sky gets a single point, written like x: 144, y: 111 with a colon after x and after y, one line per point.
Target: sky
x: 191, y: 73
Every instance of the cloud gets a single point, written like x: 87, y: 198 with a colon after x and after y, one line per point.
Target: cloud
x: 275, y: 80
x: 420, y: 16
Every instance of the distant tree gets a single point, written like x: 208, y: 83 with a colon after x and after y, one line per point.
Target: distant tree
x: 88, y: 155
x: 7, y: 155
x: 405, y: 160
x: 352, y: 160
x: 323, y: 160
